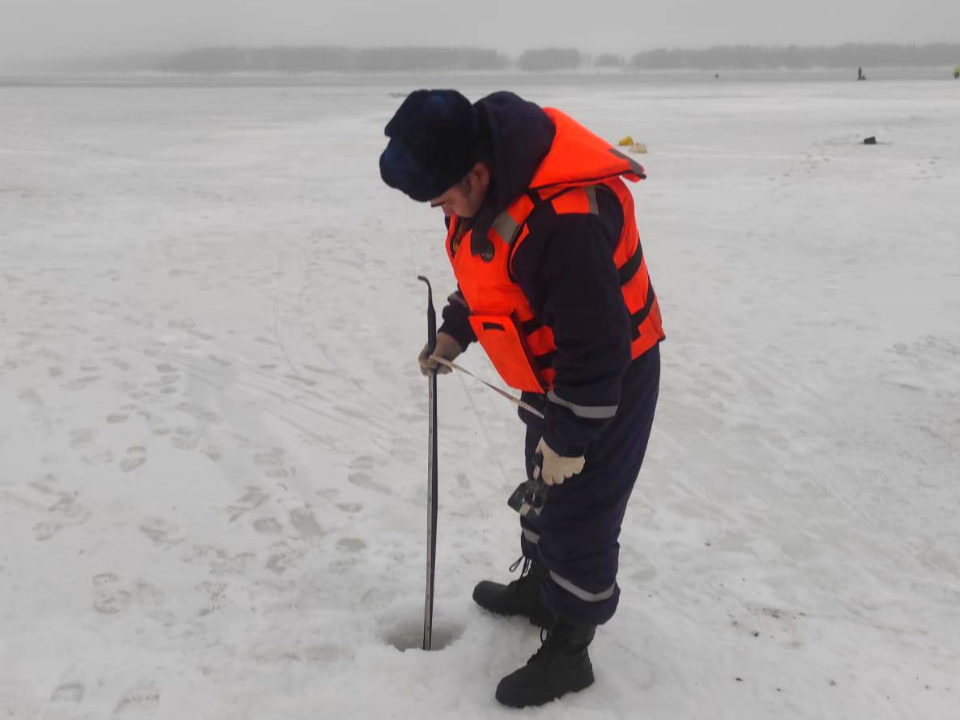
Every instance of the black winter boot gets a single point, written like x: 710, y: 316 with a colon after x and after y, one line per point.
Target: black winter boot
x: 520, y: 597
x: 561, y: 665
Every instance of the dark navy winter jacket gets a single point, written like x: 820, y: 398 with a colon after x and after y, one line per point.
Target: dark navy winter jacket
x: 565, y: 268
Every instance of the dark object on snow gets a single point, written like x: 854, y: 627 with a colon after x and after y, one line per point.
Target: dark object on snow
x: 431, y: 478
x: 560, y: 666
x: 956, y: 73
x: 860, y: 75
x: 870, y: 140
x: 520, y: 597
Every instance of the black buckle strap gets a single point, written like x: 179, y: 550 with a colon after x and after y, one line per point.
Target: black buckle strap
x: 529, y: 327
x: 637, y: 318
x: 545, y: 361
x: 631, y: 266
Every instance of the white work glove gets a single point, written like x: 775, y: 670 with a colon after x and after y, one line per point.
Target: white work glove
x: 556, y: 468
x: 447, y: 348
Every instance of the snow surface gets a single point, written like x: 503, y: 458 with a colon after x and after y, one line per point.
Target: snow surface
x: 213, y: 429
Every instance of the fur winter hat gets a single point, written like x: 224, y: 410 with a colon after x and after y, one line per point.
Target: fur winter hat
x: 434, y: 142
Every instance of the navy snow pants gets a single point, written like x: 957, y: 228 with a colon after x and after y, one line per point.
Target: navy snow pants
x: 576, y: 534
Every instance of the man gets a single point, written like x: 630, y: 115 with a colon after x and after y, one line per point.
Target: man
x: 553, y: 284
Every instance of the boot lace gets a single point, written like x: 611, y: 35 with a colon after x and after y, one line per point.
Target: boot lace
x: 549, y: 640
x: 524, y: 572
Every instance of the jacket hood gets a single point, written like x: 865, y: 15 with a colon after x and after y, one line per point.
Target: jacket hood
x: 518, y: 136
x: 535, y: 148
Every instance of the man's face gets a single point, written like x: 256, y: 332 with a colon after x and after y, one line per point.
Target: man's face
x: 465, y: 198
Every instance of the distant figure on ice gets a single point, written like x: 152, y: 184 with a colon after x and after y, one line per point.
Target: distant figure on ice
x: 956, y: 73
x: 553, y: 283
x: 860, y: 75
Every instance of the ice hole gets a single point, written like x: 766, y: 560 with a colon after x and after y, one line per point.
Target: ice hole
x: 408, y: 635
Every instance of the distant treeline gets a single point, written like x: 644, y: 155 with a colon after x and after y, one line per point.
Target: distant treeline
x: 795, y: 57
x: 441, y: 59
x: 550, y: 59
x: 333, y: 59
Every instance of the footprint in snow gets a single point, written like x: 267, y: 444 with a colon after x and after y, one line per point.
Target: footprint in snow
x: 136, y: 456
x: 351, y: 545
x: 267, y: 526
x: 305, y: 523
x: 68, y: 692
x: 139, y: 701
x: 363, y: 480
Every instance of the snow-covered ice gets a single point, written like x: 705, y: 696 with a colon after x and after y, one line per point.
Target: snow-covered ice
x: 213, y: 428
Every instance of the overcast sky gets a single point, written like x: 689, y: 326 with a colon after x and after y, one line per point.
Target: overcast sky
x: 37, y: 30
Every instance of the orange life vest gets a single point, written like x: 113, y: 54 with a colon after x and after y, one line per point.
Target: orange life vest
x: 519, y: 346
